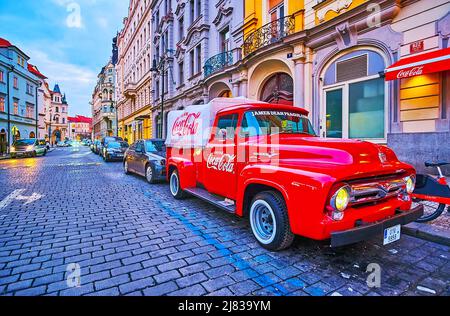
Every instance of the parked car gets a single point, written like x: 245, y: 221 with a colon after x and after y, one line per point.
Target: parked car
x: 62, y: 144
x: 147, y: 158
x: 265, y: 161
x: 114, y: 151
x: 105, y: 141
x: 28, y: 147
x: 96, y: 147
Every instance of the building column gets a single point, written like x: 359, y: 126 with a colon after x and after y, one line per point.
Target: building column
x: 235, y: 88
x: 299, y: 82
x: 244, y: 89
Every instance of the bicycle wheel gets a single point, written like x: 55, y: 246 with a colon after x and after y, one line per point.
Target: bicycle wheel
x: 431, y: 210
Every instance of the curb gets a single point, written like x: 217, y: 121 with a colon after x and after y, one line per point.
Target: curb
x: 428, y: 232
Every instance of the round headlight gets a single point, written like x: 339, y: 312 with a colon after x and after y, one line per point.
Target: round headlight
x: 341, y: 198
x: 410, y: 184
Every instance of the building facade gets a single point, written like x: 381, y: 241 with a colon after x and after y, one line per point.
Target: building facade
x: 43, y: 101
x: 103, y: 104
x: 56, y: 115
x: 133, y: 89
x: 18, y: 96
x: 333, y: 57
x: 192, y: 40
x: 79, y: 127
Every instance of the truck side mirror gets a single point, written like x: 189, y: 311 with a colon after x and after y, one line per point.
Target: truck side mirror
x: 223, y: 134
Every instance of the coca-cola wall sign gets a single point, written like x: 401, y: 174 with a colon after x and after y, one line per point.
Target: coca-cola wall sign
x: 416, y: 71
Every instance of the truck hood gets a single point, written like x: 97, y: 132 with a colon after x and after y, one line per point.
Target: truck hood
x: 340, y: 158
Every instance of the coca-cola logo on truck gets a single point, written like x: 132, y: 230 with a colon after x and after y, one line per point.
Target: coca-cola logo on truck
x: 223, y: 163
x: 186, y: 124
x: 416, y: 71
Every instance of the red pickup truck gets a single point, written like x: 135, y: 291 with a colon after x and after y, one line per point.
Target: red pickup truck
x: 265, y: 162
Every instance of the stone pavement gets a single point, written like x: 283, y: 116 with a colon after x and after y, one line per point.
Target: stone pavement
x: 131, y: 238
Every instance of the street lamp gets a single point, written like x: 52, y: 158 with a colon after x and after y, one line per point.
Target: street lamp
x: 159, y: 68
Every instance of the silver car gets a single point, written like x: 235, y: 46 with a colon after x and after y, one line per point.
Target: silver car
x: 28, y: 147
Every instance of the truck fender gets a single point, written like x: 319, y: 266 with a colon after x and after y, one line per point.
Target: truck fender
x: 186, y: 171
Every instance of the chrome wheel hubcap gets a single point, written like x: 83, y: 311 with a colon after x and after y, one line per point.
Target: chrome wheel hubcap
x: 174, y: 184
x: 149, y: 174
x: 263, y: 221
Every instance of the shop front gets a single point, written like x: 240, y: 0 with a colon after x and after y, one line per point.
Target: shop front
x: 424, y: 106
x: 135, y: 127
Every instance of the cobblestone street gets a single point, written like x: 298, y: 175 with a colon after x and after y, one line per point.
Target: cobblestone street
x: 132, y: 238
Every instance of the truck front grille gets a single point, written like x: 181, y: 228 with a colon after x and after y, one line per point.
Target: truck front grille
x: 363, y: 193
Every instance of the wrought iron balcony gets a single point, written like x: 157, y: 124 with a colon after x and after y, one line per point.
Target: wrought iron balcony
x: 270, y: 33
x: 218, y: 62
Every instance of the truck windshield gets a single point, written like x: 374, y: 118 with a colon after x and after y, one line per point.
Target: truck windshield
x: 271, y: 122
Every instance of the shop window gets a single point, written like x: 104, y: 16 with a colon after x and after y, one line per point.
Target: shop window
x: 354, y: 103
x: 420, y: 99
x: 366, y: 109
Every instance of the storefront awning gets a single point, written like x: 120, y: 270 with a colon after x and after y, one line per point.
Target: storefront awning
x: 427, y: 63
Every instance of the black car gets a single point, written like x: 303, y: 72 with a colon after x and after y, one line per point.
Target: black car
x: 96, y: 147
x: 147, y: 158
x: 104, y: 142
x: 114, y: 151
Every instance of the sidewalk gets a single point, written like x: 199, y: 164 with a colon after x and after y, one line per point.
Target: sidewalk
x: 437, y: 230
x: 9, y: 157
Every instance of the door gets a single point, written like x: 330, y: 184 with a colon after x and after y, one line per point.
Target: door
x: 332, y: 122
x: 221, y: 158
x: 140, y: 159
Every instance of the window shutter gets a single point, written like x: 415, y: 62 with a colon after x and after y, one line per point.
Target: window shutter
x: 352, y: 68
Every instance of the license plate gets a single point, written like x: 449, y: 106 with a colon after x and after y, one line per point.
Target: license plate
x: 391, y: 234
x: 119, y: 155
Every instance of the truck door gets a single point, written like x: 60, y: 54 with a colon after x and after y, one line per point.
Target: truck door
x: 219, y: 166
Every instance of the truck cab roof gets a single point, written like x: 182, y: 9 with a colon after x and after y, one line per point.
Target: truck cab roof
x: 259, y: 106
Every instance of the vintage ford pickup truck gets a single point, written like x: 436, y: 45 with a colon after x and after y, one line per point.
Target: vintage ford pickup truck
x: 265, y: 162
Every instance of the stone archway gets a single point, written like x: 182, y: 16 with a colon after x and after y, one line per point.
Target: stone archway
x: 279, y: 89
x: 56, y: 137
x: 276, y: 72
x: 220, y: 90
x: 3, y: 142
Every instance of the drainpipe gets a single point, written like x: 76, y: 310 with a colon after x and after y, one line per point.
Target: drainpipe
x: 37, y: 114
x: 9, y: 110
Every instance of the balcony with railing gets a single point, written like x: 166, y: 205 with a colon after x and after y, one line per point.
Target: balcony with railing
x: 221, y: 61
x: 272, y: 32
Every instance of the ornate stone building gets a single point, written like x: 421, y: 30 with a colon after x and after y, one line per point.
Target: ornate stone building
x: 193, y: 39
x: 103, y: 104
x: 56, y: 115
x: 133, y: 89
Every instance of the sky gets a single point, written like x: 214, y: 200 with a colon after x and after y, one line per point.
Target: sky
x: 68, y: 40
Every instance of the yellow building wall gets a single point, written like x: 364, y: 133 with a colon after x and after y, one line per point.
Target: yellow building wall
x: 253, y: 15
x: 331, y: 14
x: 420, y: 100
x: 296, y: 8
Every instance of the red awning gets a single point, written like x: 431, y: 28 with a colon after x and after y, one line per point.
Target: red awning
x: 427, y: 63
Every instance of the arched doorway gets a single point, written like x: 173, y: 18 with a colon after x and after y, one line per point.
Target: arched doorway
x: 3, y: 142
x: 279, y: 89
x: 32, y: 135
x: 226, y: 94
x: 220, y: 90
x: 56, y: 136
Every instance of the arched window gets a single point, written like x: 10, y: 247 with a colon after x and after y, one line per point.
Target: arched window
x: 279, y: 88
x: 353, y: 104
